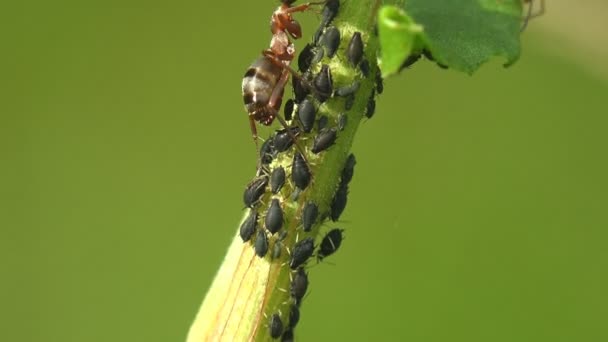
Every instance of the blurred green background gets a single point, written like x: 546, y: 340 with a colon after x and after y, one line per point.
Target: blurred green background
x: 478, y: 210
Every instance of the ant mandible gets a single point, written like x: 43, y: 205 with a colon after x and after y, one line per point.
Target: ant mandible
x: 264, y: 82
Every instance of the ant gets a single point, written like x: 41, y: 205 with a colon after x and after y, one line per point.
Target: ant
x: 530, y: 13
x: 264, y: 82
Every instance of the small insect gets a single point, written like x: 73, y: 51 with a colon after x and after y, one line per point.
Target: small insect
x: 371, y: 107
x: 300, y: 91
x: 267, y: 152
x: 322, y: 123
x: 302, y: 250
x: 323, y: 83
x: 354, y: 51
x: 264, y: 82
x: 309, y: 215
x: 283, y: 140
x: 319, y: 53
x: 347, y: 89
x: 261, y: 243
x: 531, y: 14
x: 294, y: 316
x: 325, y: 139
x: 275, y: 326
x: 364, y: 67
x: 278, y: 245
x: 248, y: 226
x: 254, y: 191
x: 342, y: 120
x: 330, y: 243
x: 331, y: 41
x: 277, y: 179
x: 300, y: 173
x: 288, y: 110
x: 305, y: 58
x: 307, y: 114
x: 411, y: 59
x: 349, y: 169
x: 274, y: 217
x: 379, y: 84
x: 287, y: 336
x: 299, y: 285
x: 330, y: 11
x: 338, y: 203
x: 349, y: 102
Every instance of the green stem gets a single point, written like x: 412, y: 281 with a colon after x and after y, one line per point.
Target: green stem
x: 248, y: 290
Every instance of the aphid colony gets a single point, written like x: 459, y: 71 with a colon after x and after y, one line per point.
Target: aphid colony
x: 280, y: 189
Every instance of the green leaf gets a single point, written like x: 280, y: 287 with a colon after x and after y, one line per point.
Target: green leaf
x: 460, y: 34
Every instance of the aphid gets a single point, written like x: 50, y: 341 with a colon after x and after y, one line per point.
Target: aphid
x: 322, y: 123
x: 267, y: 151
x: 277, y: 179
x: 264, y: 82
x: 531, y: 13
x: 329, y: 12
x: 302, y: 250
x: 275, y: 326
x: 300, y: 91
x: 278, y: 245
x: 330, y: 243
x: 299, y: 285
x: 283, y: 140
x: 349, y: 102
x: 254, y: 190
x: 371, y: 107
x: 319, y: 53
x: 294, y: 316
x: 287, y: 336
x: 307, y: 114
x: 309, y: 215
x: 323, y: 83
x: 300, y: 173
x: 349, y: 169
x: 305, y: 58
x: 354, y: 51
x: 338, y: 203
x: 288, y: 110
x: 411, y: 59
x: 248, y: 226
x: 347, y: 89
x: 364, y: 66
x: 324, y: 140
x: 379, y: 84
x: 261, y: 243
x: 274, y: 217
x: 331, y: 41
x: 342, y: 120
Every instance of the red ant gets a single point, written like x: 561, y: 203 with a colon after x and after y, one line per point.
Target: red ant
x: 265, y: 80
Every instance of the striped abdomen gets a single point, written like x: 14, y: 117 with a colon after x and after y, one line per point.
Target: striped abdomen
x: 258, y: 83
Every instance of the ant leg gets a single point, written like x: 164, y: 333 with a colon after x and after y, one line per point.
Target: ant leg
x: 285, y: 66
x: 254, y: 133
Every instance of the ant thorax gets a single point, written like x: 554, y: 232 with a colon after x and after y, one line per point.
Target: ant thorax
x: 282, y: 47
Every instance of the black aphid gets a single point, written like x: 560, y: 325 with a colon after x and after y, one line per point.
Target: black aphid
x: 319, y: 53
x: 254, y: 191
x: 287, y: 336
x: 300, y: 173
x: 409, y: 61
x: 307, y: 114
x: 338, y: 203
x: 248, y: 226
x: 349, y: 102
x: 309, y: 215
x: 275, y: 326
x: 349, y: 169
x: 322, y: 123
x: 324, y: 140
x: 354, y: 51
x: 294, y: 316
x: 323, y: 83
x: 274, y: 217
x: 428, y: 55
x: 299, y: 285
x: 342, y: 120
x: 329, y: 12
x: 302, y: 250
x: 288, y: 110
x: 278, y: 245
x: 300, y: 91
x: 305, y: 58
x: 364, y: 66
x: 331, y: 41
x: 261, y: 243
x: 347, y: 89
x: 277, y: 179
x: 330, y: 243
x: 371, y: 107
x: 379, y: 84
x: 283, y: 141
x: 267, y: 151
